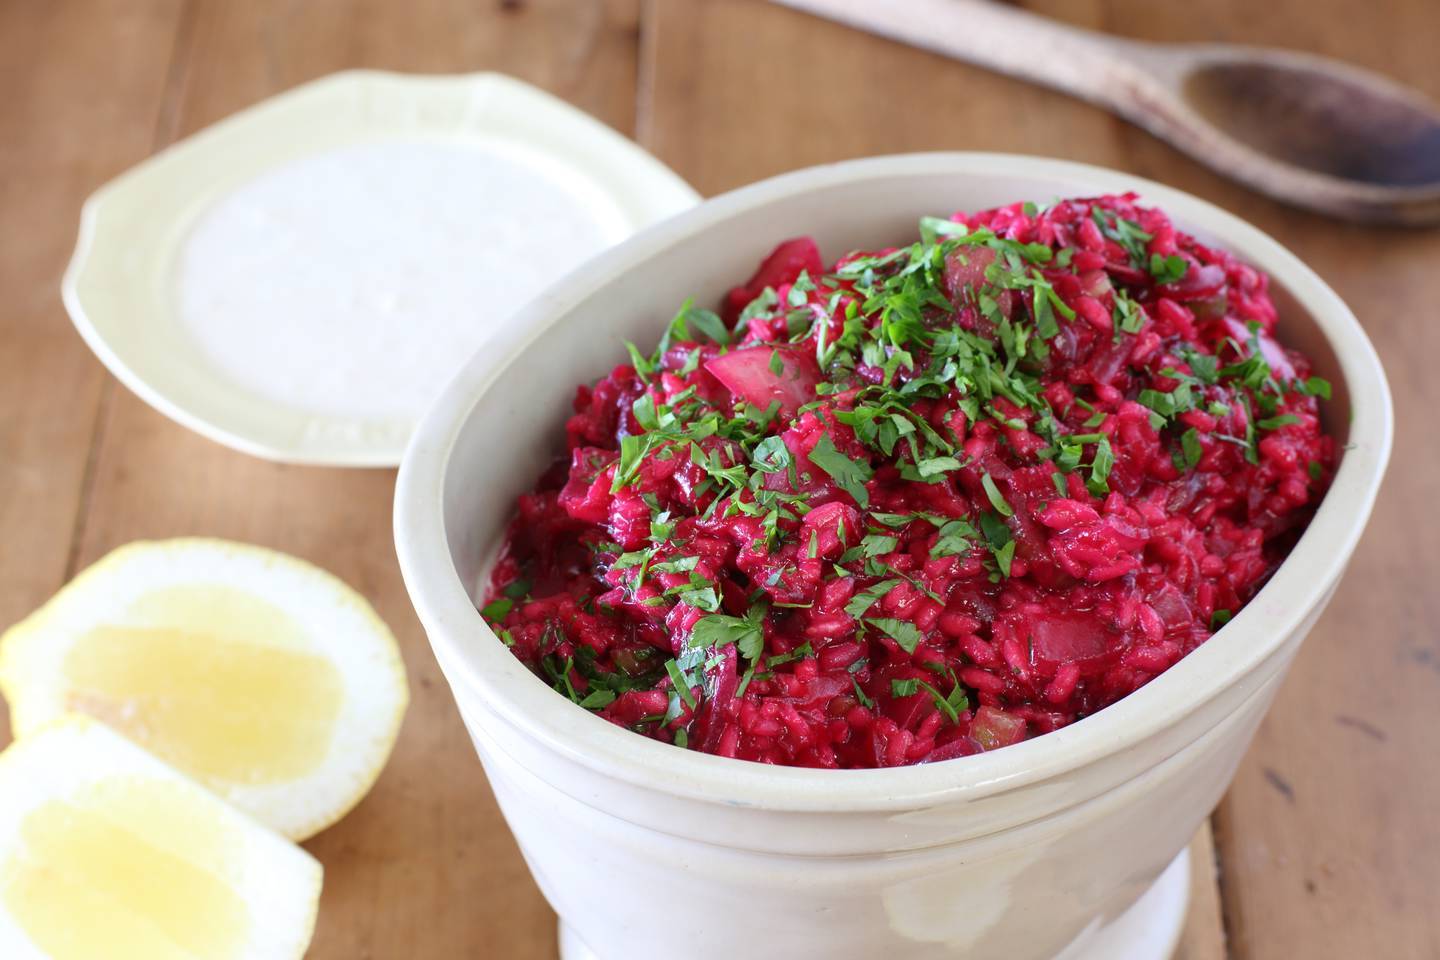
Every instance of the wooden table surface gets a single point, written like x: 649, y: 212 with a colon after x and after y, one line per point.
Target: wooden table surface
x: 1328, y: 844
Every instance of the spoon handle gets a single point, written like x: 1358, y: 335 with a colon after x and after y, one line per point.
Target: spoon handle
x: 1101, y: 69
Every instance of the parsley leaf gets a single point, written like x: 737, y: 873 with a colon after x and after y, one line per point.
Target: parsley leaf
x: 1129, y: 316
x: 704, y: 321
x: 633, y: 449
x: 861, y: 695
x: 997, y: 500
x: 904, y: 688
x: 862, y: 601
x: 1168, y: 405
x: 718, y: 630
x: 1190, y: 448
x: 936, y: 466
x: 598, y: 698
x: 799, y: 653
x: 1127, y: 233
x: 497, y: 608
x: 951, y: 705
x: 1004, y: 557
x: 771, y: 456
x: 1044, y: 312
x: 1099, y: 482
x: 902, y: 632
x: 760, y: 305
x: 1315, y: 387
x: 877, y: 544
x: 849, y: 475
x: 953, y: 540
x: 681, y: 682
x: 1204, y: 366
x: 1168, y: 269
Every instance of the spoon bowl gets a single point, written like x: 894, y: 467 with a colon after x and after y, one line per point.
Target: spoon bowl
x: 1341, y: 123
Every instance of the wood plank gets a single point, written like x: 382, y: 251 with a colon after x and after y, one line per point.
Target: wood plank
x: 1329, y: 844
x: 84, y: 86
x: 425, y: 866
x: 737, y: 91
x: 1204, y: 935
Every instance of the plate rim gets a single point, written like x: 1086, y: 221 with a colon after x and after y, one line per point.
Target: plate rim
x: 652, y: 192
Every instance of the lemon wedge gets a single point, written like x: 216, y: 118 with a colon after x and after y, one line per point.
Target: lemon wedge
x: 262, y: 677
x: 107, y: 852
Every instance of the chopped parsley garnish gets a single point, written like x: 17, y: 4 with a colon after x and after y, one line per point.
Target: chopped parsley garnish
x: 1002, y: 544
x: 861, y: 696
x: 681, y: 683
x: 997, y: 500
x: 953, y: 539
x: 902, y: 632
x: 598, y: 699
x: 849, y: 475
x: 801, y: 652
x: 497, y: 609
x: 1099, y: 482
x: 948, y: 704
x: 1129, y: 315
x: 1167, y: 269
x: 914, y: 380
x: 865, y: 599
x: 1125, y: 232
x: 1169, y: 405
x: 746, y: 633
x: 771, y: 456
x: 1190, y: 448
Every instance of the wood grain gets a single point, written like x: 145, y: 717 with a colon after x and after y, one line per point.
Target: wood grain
x: 1204, y: 935
x: 831, y: 93
x: 1329, y: 841
x: 424, y: 867
x: 94, y: 78
x: 1315, y: 133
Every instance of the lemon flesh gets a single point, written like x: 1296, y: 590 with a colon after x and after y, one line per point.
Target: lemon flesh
x: 266, y: 679
x: 214, y: 681
x: 106, y: 852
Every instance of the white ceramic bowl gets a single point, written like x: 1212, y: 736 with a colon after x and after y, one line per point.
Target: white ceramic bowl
x: 648, y: 851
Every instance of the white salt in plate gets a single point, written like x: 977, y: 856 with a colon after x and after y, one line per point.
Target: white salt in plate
x: 301, y: 279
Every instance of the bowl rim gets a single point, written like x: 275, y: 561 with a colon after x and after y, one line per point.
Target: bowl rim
x: 1299, y: 587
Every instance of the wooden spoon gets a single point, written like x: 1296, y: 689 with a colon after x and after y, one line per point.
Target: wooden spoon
x: 1307, y: 130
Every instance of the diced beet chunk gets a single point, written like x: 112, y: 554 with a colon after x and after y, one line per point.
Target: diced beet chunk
x: 1060, y: 637
x: 784, y: 264
x: 993, y: 728
x: 763, y: 375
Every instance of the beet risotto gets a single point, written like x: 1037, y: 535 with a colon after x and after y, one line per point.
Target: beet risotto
x: 925, y: 502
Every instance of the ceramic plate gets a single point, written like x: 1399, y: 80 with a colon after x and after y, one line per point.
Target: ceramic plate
x: 122, y: 288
